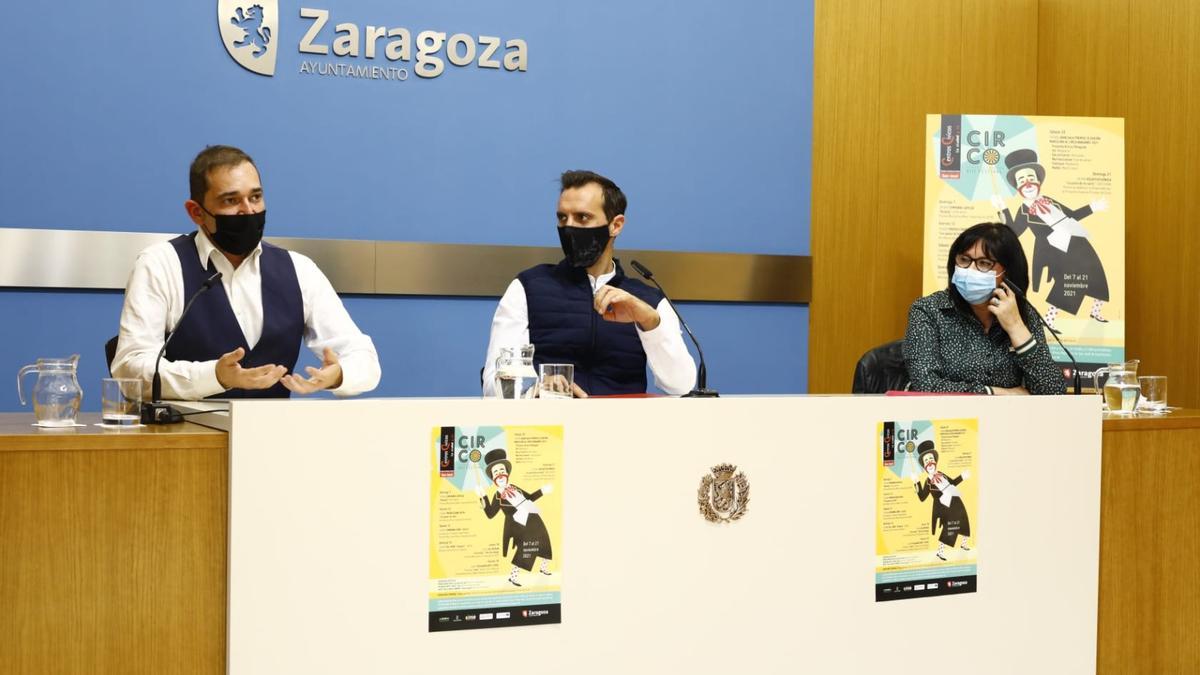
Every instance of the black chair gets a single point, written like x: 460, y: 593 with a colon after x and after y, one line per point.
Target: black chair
x: 110, y: 353
x: 881, y: 370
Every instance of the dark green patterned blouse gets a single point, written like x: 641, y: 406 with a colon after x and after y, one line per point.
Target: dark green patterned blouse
x: 947, y: 351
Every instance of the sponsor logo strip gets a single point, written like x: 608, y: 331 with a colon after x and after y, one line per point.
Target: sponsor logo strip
x: 900, y: 591
x: 499, y: 618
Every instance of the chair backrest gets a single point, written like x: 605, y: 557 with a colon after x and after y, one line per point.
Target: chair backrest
x: 881, y: 369
x: 110, y: 353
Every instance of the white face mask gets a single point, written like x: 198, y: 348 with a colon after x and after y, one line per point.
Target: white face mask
x: 974, y: 286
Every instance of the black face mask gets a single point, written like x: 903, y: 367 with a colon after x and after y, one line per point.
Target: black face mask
x: 583, y: 245
x: 238, y: 233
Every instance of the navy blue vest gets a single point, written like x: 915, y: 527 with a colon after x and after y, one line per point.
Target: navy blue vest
x: 210, y: 329
x: 564, y: 328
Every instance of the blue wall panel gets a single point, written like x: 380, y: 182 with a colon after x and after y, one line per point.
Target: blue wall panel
x: 428, y: 346
x: 701, y: 111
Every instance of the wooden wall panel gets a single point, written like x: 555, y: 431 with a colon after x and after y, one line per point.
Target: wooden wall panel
x: 1083, y: 57
x: 880, y: 68
x: 1000, y: 57
x: 921, y: 67
x: 845, y: 200
x: 1135, y: 59
x: 1162, y: 143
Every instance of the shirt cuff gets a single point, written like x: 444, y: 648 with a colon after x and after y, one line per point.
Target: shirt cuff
x: 358, y: 377
x: 344, y: 391
x: 206, y: 383
x: 1026, y: 346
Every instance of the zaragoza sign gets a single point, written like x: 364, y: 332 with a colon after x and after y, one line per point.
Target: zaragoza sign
x: 250, y: 32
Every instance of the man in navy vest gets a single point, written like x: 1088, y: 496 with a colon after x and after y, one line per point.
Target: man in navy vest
x: 242, y: 337
x: 585, y: 311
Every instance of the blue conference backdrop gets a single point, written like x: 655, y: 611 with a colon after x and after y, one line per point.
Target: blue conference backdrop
x: 416, y: 121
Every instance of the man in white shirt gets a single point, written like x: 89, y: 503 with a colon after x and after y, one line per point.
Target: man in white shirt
x: 585, y: 311
x: 242, y: 337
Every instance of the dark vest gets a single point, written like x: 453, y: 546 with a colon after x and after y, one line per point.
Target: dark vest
x: 210, y: 329
x: 564, y: 328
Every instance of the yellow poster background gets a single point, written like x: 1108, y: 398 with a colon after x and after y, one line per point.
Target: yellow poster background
x: 1084, y: 161
x: 903, y: 541
x: 465, y: 558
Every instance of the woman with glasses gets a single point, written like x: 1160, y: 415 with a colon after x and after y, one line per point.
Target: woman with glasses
x: 977, y: 335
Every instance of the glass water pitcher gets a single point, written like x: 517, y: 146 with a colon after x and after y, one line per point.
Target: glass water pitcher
x: 515, y: 376
x: 1121, y: 389
x: 56, y: 392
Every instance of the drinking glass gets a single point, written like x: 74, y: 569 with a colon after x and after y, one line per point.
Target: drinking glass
x: 1154, y: 394
x: 556, y: 380
x: 121, y: 402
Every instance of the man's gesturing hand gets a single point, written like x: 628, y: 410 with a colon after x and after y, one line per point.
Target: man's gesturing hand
x: 621, y: 306
x: 328, y: 376
x: 231, y: 374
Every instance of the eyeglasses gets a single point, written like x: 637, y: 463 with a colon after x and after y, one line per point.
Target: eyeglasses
x: 981, y: 264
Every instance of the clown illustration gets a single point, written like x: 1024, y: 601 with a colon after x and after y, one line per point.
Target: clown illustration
x: 948, y: 508
x: 1061, y: 246
x: 524, y: 530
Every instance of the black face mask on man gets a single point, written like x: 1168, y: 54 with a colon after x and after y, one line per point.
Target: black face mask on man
x: 238, y: 233
x: 583, y: 245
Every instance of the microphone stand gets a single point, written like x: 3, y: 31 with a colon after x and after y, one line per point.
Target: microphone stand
x: 155, y: 411
x: 701, y: 390
x: 1054, y: 334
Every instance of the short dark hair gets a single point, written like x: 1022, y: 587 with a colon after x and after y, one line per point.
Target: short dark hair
x: 213, y: 157
x: 1000, y: 243
x: 614, y: 199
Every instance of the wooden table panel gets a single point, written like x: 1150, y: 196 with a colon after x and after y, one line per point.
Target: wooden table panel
x: 1176, y: 419
x: 113, y: 549
x: 1149, y: 614
x: 17, y: 433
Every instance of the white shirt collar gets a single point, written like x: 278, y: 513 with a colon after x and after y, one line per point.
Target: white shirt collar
x: 206, y: 249
x: 599, y: 281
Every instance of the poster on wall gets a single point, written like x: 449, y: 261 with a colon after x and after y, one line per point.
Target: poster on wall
x: 926, y: 502
x: 1059, y: 183
x: 495, y: 527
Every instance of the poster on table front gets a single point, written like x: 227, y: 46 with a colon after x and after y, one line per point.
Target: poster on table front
x: 495, y: 528
x: 1059, y: 183
x: 926, y: 507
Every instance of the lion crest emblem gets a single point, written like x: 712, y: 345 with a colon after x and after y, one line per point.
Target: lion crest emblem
x: 249, y: 33
x: 724, y: 494
x: 257, y: 35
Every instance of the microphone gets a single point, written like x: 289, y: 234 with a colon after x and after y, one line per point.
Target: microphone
x: 1054, y: 334
x: 156, y: 412
x: 701, y: 390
